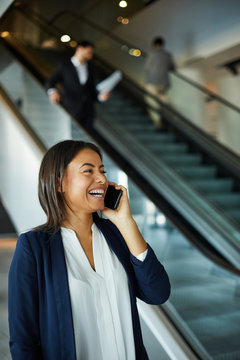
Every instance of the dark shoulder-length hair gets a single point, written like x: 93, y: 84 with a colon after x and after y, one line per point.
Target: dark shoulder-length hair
x: 51, y: 173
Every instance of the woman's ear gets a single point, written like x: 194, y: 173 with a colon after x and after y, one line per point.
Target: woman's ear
x: 59, y: 187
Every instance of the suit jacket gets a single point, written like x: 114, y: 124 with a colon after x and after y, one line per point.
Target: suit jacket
x: 40, y: 317
x: 77, y: 98
x: 158, y: 64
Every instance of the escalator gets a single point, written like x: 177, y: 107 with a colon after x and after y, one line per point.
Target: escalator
x: 197, y: 190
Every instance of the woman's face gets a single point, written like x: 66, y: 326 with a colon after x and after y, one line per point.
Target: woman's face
x: 84, y: 183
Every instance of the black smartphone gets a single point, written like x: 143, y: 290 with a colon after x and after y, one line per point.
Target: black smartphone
x: 112, y: 197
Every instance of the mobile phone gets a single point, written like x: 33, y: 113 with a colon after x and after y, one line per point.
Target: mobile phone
x: 112, y: 197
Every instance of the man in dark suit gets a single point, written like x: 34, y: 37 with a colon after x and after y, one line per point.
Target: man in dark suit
x: 76, y: 78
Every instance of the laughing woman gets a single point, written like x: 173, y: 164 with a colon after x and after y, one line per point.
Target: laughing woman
x: 73, y: 281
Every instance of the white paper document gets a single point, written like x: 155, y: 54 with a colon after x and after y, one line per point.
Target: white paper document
x: 110, y: 82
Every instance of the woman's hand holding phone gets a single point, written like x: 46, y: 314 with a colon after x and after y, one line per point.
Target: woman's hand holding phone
x: 122, y: 218
x: 122, y: 210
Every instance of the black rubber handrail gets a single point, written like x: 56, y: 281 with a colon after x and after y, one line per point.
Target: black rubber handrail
x: 222, y: 154
x: 210, y: 94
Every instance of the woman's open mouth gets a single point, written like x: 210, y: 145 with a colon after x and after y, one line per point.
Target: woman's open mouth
x: 97, y: 194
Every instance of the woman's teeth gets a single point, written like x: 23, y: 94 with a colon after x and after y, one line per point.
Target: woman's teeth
x: 97, y: 193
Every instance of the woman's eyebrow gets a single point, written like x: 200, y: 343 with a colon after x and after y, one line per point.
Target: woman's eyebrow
x: 89, y: 164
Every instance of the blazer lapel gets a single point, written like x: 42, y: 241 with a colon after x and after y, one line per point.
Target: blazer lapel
x: 63, y: 303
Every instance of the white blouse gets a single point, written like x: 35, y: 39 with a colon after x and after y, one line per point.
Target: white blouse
x: 100, y: 300
x: 82, y: 70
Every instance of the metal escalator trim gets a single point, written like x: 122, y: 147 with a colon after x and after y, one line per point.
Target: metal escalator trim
x: 37, y: 17
x: 219, y: 152
x: 223, y: 155
x: 193, y: 236
x: 22, y: 121
x: 175, y: 341
x: 185, y: 229
x: 177, y: 193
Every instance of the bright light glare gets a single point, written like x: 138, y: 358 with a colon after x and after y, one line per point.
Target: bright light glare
x: 73, y: 43
x: 65, y: 38
x: 4, y: 34
x: 161, y: 219
x: 125, y: 21
x: 134, y: 52
x: 122, y: 4
x: 122, y: 179
x: 137, y: 52
x: 151, y: 208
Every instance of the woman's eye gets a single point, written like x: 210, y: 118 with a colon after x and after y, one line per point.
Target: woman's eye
x: 88, y: 171
x: 103, y: 172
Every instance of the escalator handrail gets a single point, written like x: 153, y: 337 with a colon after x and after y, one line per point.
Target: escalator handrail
x: 210, y: 94
x: 223, y: 155
x: 182, y: 224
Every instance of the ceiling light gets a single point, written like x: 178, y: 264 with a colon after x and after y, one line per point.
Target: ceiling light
x: 65, y: 38
x: 122, y: 4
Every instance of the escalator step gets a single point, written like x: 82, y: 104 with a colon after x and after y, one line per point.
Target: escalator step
x: 158, y: 147
x: 226, y: 201
x: 133, y: 119
x: 124, y: 110
x: 234, y: 214
x: 151, y: 136
x: 213, y: 185
x: 196, y: 172
x: 191, y: 159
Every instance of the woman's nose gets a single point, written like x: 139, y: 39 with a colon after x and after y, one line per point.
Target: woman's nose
x: 101, y: 178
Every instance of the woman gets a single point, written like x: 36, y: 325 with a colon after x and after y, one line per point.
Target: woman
x: 73, y: 281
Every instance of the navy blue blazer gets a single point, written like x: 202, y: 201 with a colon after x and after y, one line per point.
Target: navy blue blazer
x: 40, y: 317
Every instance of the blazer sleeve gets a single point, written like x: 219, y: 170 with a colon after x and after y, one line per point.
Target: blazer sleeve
x: 152, y: 282
x: 148, y: 278
x: 94, y: 92
x: 23, y: 304
x: 56, y: 78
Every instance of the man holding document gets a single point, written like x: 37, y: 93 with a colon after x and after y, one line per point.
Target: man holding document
x: 76, y: 78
